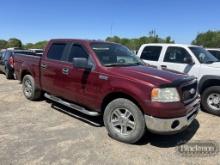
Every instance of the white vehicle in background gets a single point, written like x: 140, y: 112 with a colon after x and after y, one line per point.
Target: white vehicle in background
x: 192, y: 60
x: 38, y: 52
x: 14, y: 48
x: 215, y: 52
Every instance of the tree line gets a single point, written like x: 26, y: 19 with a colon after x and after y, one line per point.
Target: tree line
x: 206, y: 39
x: 14, y: 42
x: 135, y: 43
x: 209, y: 39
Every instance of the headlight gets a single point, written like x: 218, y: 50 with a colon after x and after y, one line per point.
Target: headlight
x: 165, y: 95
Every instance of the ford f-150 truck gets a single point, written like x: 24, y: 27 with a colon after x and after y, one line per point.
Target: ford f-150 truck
x: 102, y: 78
x: 190, y: 59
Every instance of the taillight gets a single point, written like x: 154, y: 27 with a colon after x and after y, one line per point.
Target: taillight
x: 11, y: 62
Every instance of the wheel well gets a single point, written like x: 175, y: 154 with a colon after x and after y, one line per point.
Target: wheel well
x: 209, y: 83
x: 116, y: 95
x: 25, y: 72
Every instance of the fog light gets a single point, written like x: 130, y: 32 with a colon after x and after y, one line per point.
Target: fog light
x: 175, y: 124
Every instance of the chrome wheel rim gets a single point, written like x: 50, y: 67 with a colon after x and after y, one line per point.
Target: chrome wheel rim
x: 27, y: 88
x: 123, y: 121
x: 214, y: 101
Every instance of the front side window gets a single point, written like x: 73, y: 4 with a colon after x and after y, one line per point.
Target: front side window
x: 202, y: 55
x: 110, y: 54
x: 176, y: 55
x: 151, y: 53
x: 77, y: 51
x: 56, y: 51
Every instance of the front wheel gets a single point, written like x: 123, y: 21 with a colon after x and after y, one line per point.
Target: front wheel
x: 124, y: 121
x: 211, y: 100
x: 29, y: 88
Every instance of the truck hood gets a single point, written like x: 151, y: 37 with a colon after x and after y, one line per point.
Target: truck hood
x: 214, y: 65
x: 149, y: 75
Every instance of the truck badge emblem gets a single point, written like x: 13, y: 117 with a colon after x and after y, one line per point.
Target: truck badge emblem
x: 192, y: 91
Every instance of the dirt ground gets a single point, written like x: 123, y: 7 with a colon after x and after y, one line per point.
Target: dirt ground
x: 41, y: 133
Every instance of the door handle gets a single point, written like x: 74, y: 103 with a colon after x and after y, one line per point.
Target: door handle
x: 43, y: 66
x: 65, y: 71
x: 163, y: 66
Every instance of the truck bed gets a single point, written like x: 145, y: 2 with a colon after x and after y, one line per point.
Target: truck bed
x: 23, y: 63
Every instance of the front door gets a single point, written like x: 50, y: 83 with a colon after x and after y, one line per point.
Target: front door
x: 84, y: 85
x: 177, y: 58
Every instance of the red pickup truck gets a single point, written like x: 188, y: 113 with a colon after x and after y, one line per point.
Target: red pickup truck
x: 102, y: 78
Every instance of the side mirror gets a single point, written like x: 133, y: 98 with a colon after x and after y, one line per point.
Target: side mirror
x: 189, y: 60
x: 80, y: 62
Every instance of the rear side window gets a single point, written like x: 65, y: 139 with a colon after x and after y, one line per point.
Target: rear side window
x: 77, y: 51
x: 151, y: 53
x: 56, y: 51
x: 176, y: 55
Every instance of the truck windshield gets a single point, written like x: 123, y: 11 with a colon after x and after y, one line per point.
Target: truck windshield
x: 111, y: 54
x: 202, y: 55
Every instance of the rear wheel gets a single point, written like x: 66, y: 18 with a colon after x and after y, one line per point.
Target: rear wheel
x: 29, y: 88
x: 211, y: 100
x: 124, y: 121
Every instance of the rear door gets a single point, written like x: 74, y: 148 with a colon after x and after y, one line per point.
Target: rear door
x: 52, y: 69
x: 151, y: 55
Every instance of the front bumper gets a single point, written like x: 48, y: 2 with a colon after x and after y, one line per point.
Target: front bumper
x: 174, y: 125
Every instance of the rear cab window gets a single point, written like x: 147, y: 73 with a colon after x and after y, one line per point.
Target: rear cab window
x: 151, y: 53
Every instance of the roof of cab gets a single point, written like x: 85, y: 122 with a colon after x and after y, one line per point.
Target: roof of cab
x: 87, y: 41
x: 171, y: 44
x: 79, y: 40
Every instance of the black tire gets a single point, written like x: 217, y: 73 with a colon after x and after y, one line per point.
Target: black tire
x: 136, y: 115
x: 206, y: 96
x: 8, y: 74
x: 29, y: 88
